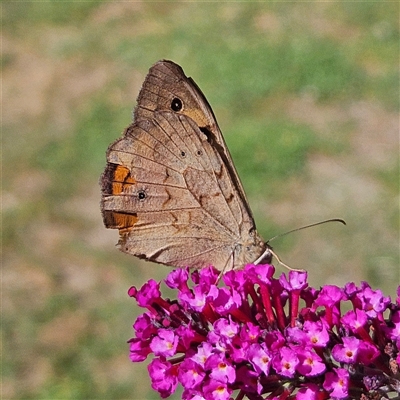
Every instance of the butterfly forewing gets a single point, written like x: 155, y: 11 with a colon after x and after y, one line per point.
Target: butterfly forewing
x: 166, y: 83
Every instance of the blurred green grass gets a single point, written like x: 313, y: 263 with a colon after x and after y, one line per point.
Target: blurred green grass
x: 305, y: 94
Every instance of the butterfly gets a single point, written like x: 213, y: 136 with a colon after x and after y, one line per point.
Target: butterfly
x: 170, y: 186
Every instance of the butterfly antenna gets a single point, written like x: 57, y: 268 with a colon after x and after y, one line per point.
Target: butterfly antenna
x: 270, y: 251
x: 308, y: 226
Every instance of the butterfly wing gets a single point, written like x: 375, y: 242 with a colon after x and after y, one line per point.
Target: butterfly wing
x: 167, y: 88
x: 170, y: 186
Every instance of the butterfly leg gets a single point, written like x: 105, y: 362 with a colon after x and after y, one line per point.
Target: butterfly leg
x: 270, y: 251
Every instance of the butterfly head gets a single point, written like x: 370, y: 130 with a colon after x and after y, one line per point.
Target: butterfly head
x: 252, y: 251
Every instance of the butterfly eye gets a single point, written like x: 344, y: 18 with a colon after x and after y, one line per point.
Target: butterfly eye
x: 176, y: 104
x: 141, y: 195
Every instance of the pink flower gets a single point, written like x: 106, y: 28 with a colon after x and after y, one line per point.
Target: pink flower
x: 216, y: 390
x: 260, y: 358
x: 285, y: 362
x: 221, y: 369
x: 346, y: 352
x: 337, y: 383
x: 165, y: 343
x: 163, y: 376
x: 265, y: 337
x: 310, y: 363
x: 190, y: 374
x: 316, y: 333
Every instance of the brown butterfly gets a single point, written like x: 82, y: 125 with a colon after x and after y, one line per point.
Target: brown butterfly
x: 170, y: 186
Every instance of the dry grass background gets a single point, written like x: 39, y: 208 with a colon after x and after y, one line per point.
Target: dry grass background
x: 307, y: 97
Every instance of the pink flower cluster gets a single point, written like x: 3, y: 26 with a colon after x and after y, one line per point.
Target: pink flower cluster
x: 252, y: 338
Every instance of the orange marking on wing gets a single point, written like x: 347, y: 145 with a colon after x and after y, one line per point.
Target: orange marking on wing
x: 196, y: 116
x: 122, y: 221
x: 122, y: 177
